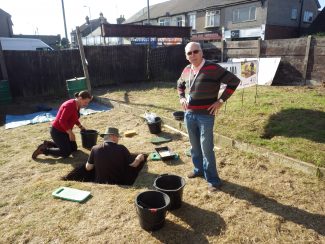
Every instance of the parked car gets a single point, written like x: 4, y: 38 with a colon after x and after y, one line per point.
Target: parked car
x: 8, y: 43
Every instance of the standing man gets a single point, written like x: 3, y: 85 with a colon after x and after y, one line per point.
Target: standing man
x: 202, y: 80
x: 113, y: 163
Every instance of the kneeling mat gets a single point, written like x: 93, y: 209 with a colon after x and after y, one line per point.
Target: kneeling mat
x: 160, y: 139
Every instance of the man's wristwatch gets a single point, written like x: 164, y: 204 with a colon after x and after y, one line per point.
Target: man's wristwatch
x: 221, y: 101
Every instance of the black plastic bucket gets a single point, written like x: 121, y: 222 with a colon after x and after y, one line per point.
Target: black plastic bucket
x: 151, y: 207
x: 173, y: 186
x: 155, y: 127
x: 89, y: 138
x: 178, y: 115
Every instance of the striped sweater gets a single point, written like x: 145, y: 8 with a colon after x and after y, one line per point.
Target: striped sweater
x: 204, y: 91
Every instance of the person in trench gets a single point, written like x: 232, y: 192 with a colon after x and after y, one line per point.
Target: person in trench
x: 64, y: 140
x: 113, y: 163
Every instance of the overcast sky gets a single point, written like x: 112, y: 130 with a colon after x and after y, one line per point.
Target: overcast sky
x: 44, y: 17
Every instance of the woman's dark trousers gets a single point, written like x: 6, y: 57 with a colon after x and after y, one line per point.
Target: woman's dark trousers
x: 64, y: 146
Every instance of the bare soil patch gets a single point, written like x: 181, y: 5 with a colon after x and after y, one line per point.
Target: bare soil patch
x: 260, y: 202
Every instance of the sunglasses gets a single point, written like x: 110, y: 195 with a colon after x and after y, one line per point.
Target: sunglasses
x: 192, y: 52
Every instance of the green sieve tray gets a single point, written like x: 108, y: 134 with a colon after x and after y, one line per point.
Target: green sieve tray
x: 71, y: 194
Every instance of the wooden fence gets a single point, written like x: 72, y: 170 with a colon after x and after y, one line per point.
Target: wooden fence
x: 167, y: 63
x: 40, y: 73
x: 302, y: 59
x: 44, y: 73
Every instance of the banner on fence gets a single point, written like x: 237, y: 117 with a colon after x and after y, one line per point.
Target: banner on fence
x: 246, y: 71
x: 267, y: 68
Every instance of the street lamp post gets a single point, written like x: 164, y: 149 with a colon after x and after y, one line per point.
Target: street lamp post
x: 65, y: 24
x: 149, y: 40
x: 148, y: 12
x: 85, y: 6
x: 91, y: 28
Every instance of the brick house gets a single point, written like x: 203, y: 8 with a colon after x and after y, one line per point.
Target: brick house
x: 213, y: 20
x: 5, y: 24
x: 90, y: 32
x: 318, y: 25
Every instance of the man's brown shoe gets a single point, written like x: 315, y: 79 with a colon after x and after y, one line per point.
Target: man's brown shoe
x: 40, y: 150
x: 192, y: 175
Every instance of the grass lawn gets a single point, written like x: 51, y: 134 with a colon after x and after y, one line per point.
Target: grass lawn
x: 287, y: 120
x: 260, y: 201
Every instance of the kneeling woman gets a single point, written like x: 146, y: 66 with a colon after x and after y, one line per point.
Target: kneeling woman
x: 61, y: 131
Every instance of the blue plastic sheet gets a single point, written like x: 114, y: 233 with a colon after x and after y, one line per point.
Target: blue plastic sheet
x: 13, y: 121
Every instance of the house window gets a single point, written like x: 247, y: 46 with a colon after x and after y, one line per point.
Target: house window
x: 294, y: 13
x: 179, y: 21
x: 308, y: 16
x: 73, y: 40
x: 212, y: 18
x: 164, y: 21
x: 192, y: 20
x: 244, y: 14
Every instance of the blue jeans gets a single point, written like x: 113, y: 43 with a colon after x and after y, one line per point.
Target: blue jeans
x: 200, y: 131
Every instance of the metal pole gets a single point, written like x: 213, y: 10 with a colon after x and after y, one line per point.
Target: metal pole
x: 89, y: 13
x: 149, y: 43
x: 148, y: 10
x: 65, y: 24
x: 91, y: 27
